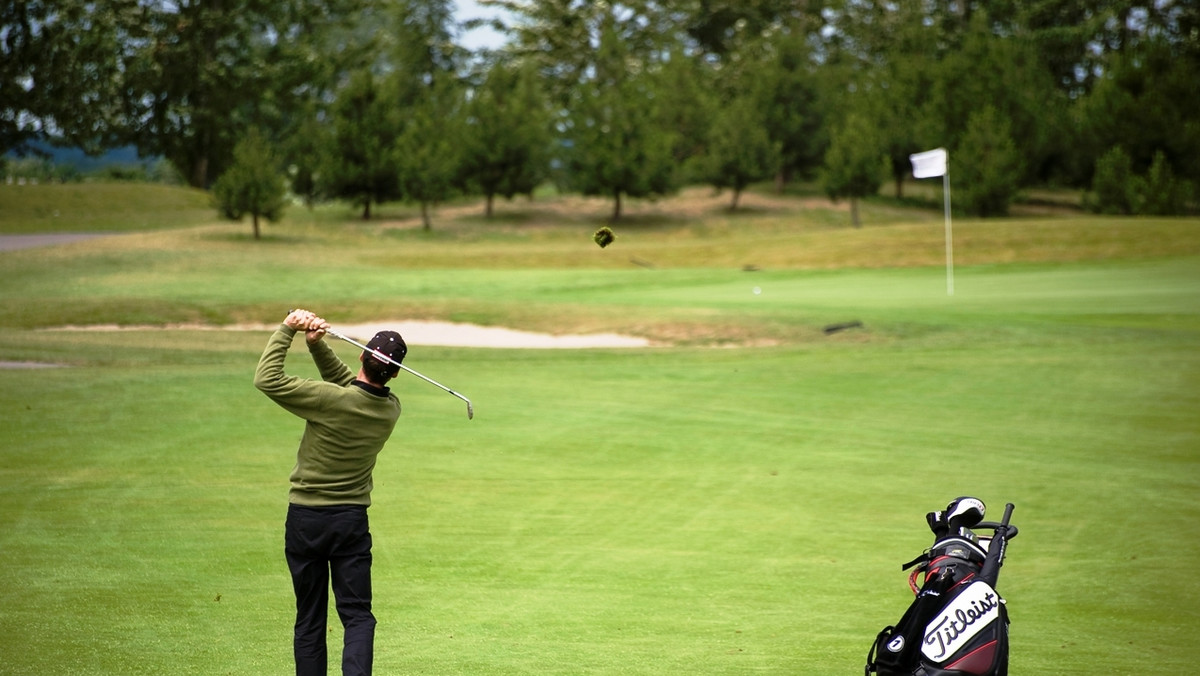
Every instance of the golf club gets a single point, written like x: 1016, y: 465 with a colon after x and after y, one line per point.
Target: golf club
x: 389, y: 360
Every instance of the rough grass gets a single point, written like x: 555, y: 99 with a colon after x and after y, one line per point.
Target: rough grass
x: 100, y: 207
x: 218, y: 274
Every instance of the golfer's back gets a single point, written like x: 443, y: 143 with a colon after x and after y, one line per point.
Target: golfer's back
x: 343, y: 436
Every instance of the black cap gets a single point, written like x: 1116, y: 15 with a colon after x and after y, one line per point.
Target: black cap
x: 389, y: 344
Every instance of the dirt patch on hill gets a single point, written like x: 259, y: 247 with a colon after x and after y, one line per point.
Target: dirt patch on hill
x: 18, y: 242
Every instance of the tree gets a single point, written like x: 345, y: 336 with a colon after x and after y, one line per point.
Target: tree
x: 613, y: 147
x: 1070, y: 37
x: 791, y: 104
x: 60, y: 75
x: 601, y: 64
x: 359, y: 165
x: 855, y: 163
x: 1016, y: 86
x: 303, y: 151
x: 563, y: 38
x: 427, y: 155
x: 506, y: 145
x: 252, y: 184
x: 988, y: 166
x: 180, y: 79
x: 1147, y: 103
x: 425, y: 96
x: 927, y: 66
x: 722, y: 28
x: 686, y: 102
x: 1118, y: 189
x: 202, y: 71
x: 904, y: 64
x: 1079, y: 41
x: 422, y: 51
x: 740, y: 152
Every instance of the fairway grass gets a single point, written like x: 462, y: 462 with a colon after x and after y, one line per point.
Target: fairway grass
x: 644, y: 512
x: 737, y: 500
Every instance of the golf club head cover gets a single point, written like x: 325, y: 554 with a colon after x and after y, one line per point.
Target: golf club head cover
x: 937, y: 524
x: 964, y: 512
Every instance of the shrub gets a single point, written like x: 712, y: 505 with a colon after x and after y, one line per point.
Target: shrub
x: 1165, y: 195
x: 1115, y: 188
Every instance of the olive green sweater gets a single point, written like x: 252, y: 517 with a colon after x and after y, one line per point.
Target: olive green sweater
x: 348, y: 422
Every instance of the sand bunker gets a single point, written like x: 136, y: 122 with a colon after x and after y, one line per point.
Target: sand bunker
x: 27, y: 365
x: 445, y: 334
x: 448, y: 334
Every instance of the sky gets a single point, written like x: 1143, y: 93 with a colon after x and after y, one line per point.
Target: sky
x: 480, y: 37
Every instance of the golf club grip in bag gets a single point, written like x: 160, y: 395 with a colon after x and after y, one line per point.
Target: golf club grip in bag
x: 958, y: 623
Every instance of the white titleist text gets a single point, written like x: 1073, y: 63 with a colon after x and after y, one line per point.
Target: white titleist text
x: 974, y: 609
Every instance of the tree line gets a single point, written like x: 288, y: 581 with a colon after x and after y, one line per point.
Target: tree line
x: 374, y: 101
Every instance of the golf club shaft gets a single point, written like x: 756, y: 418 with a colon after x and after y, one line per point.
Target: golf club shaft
x: 393, y: 362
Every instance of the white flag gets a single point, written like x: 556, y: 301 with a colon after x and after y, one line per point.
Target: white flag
x: 929, y: 163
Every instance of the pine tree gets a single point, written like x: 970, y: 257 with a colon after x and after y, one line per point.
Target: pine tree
x: 508, y: 135
x: 359, y: 164
x: 614, y: 147
x: 252, y: 184
x: 988, y: 166
x: 739, y: 150
x: 855, y: 163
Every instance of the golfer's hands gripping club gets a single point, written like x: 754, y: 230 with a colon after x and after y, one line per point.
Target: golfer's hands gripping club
x: 314, y: 327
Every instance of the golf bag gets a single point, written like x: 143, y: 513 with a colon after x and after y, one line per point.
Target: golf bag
x: 958, y: 623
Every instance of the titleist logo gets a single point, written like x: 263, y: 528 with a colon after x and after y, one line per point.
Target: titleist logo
x: 965, y: 617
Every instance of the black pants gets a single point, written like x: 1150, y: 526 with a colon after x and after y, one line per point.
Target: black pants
x: 320, y: 543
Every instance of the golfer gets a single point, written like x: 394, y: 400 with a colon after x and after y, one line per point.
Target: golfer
x: 348, y: 420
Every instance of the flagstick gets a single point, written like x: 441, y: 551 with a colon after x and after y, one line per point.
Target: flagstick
x: 949, y: 236
x: 929, y: 164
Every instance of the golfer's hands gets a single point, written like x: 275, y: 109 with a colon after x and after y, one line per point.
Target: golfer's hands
x: 312, y: 325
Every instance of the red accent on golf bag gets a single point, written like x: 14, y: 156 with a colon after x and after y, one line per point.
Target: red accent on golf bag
x: 978, y: 661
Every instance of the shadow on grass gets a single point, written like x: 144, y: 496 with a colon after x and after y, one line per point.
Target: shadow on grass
x: 267, y: 239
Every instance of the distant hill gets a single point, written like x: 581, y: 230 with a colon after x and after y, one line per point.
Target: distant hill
x: 84, y: 163
x: 51, y: 207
